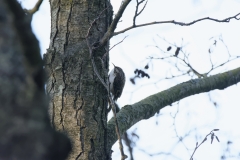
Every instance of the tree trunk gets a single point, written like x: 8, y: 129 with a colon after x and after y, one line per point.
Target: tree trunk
x: 78, y: 99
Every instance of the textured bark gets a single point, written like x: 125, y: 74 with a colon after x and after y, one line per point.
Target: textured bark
x: 25, y: 130
x: 78, y: 99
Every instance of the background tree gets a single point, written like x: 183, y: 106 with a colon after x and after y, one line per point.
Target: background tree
x: 80, y: 32
x: 25, y: 129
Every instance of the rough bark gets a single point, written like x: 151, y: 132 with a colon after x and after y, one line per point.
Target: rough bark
x: 78, y: 99
x: 25, y: 130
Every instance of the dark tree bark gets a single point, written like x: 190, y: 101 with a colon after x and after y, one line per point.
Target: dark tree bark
x: 78, y: 99
x: 25, y: 131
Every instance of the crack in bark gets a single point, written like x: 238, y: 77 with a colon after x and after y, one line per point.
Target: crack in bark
x: 94, y: 107
x: 53, y: 114
x: 78, y: 156
x: 78, y: 119
x: 81, y: 141
x: 79, y: 91
x: 68, y: 32
x: 51, y: 68
x: 92, y: 149
x: 104, y: 114
x: 54, y: 36
x: 63, y: 92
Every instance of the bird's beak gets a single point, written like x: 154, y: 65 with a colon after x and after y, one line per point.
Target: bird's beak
x: 114, y: 65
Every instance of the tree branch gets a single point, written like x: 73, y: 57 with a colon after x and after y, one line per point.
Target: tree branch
x: 146, y: 108
x: 114, y: 23
x: 204, y: 140
x: 35, y: 8
x: 136, y: 11
x: 175, y: 22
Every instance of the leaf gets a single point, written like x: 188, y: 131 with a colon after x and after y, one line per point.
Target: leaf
x: 212, y: 137
x: 177, y: 51
x: 216, y: 130
x: 132, y: 80
x: 136, y: 70
x: 146, y: 67
x: 169, y: 48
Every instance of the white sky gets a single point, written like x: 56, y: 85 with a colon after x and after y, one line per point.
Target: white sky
x: 195, y: 113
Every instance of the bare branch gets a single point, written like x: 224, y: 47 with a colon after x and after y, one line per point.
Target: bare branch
x: 192, y: 69
x: 118, y: 43
x: 114, y: 23
x: 185, y: 58
x: 226, y: 20
x: 142, y: 8
x: 136, y: 11
x: 128, y: 143
x: 204, y: 140
x: 35, y: 8
x: 123, y: 156
x: 222, y: 64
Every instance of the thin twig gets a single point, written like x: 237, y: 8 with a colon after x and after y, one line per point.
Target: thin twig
x: 118, y: 43
x: 204, y: 140
x: 178, y: 23
x: 128, y: 143
x: 123, y: 156
x: 99, y: 77
x: 199, y: 75
x: 186, y: 60
x: 136, y: 11
x: 142, y: 8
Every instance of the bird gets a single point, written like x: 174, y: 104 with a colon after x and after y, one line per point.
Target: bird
x: 116, y: 81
